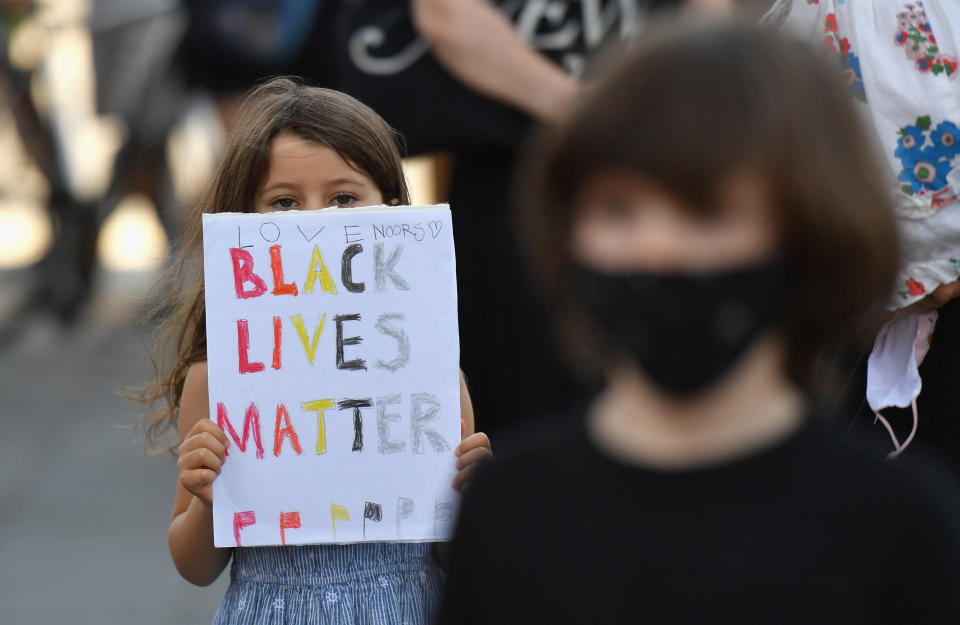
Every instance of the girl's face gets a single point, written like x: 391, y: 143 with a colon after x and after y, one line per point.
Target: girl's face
x: 306, y: 175
x: 625, y: 223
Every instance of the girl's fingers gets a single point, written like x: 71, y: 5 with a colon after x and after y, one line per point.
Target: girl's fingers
x: 474, y: 456
x: 464, y: 476
x: 208, y: 426
x: 204, y: 440
x: 202, y: 455
x: 197, y: 478
x: 201, y: 458
x: 199, y: 483
x: 472, y: 442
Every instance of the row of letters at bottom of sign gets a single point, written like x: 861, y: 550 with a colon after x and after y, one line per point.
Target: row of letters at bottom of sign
x: 372, y: 519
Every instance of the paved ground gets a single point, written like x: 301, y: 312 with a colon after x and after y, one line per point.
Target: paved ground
x: 83, y: 513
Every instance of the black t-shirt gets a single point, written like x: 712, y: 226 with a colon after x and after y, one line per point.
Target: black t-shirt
x: 808, y: 531
x: 384, y: 63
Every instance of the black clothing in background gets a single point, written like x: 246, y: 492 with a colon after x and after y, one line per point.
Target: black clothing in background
x: 939, y: 402
x: 231, y: 45
x: 507, y: 349
x: 385, y: 64
x: 809, y: 530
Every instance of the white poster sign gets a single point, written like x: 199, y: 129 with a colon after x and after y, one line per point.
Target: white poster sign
x: 333, y: 357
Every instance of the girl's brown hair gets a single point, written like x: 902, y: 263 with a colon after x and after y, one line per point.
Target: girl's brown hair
x: 281, y: 105
x: 691, y: 107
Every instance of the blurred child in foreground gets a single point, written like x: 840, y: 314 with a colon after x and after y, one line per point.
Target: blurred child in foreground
x: 707, y: 220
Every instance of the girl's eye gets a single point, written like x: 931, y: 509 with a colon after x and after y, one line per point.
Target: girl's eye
x: 344, y: 199
x: 284, y: 202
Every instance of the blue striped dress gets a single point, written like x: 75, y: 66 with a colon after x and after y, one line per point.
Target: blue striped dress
x: 364, y: 583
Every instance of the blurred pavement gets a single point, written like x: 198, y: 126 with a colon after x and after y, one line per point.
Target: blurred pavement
x: 83, y: 512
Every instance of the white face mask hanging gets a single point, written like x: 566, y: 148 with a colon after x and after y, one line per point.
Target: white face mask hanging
x: 893, y: 376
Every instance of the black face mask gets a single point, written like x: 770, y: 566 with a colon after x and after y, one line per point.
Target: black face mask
x: 684, y: 330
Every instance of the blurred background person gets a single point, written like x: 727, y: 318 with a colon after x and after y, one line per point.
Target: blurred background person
x: 702, y: 247
x: 53, y: 111
x: 487, y: 72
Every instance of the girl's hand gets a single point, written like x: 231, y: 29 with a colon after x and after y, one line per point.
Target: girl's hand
x: 471, y: 451
x: 202, y: 454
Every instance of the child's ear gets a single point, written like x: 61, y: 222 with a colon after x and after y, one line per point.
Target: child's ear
x: 394, y: 201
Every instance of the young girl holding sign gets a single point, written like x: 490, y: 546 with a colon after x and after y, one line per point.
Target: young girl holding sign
x: 294, y: 148
x: 710, y: 217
